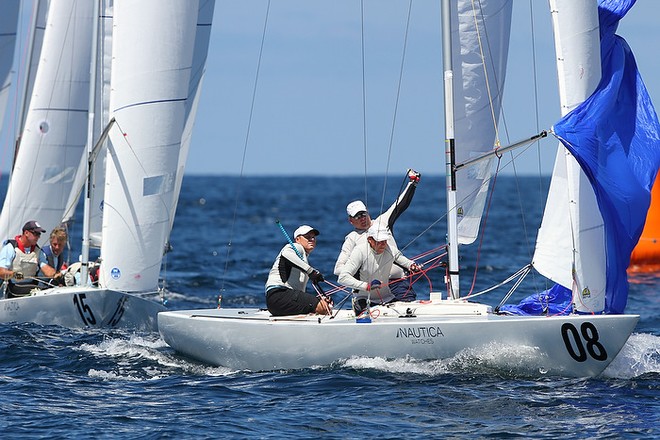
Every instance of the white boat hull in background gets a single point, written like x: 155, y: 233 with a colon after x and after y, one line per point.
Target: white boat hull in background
x: 83, y: 307
x: 251, y: 339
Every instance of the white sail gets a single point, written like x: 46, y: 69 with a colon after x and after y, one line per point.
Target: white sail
x: 8, y: 27
x: 54, y: 134
x: 480, y: 42
x: 572, y: 226
x: 152, y: 49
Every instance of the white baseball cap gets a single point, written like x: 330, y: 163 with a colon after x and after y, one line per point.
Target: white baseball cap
x: 304, y: 229
x: 378, y: 232
x: 355, y: 207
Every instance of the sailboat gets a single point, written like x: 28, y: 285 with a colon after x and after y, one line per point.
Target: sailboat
x: 144, y: 123
x: 579, y: 341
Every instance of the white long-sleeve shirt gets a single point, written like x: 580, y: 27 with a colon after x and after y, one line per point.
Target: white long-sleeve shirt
x: 289, y: 269
x: 364, y: 265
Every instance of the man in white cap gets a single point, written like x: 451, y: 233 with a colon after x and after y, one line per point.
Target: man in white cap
x: 358, y: 216
x: 21, y: 257
x: 287, y: 280
x: 368, y: 268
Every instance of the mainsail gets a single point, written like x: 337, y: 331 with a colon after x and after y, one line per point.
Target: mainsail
x: 152, y: 62
x: 480, y: 46
x: 54, y: 133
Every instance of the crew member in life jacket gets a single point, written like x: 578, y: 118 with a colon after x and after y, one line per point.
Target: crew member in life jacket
x: 54, y: 252
x: 21, y: 258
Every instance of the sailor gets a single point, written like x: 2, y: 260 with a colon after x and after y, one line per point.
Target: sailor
x: 358, y: 217
x: 54, y: 254
x: 287, y: 280
x: 21, y: 258
x: 368, y: 268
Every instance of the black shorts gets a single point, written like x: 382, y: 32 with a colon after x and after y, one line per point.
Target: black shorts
x: 282, y: 301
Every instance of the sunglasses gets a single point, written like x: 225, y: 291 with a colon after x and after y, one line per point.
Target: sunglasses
x: 360, y: 215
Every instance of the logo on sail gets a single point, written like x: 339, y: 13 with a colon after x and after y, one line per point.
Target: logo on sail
x: 115, y: 273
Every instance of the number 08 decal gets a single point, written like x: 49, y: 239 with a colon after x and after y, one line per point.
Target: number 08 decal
x: 576, y: 348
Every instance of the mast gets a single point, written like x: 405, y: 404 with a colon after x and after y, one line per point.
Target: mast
x: 84, y: 273
x: 450, y: 157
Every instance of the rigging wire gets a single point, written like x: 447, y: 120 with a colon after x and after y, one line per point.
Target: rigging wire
x: 364, y: 101
x: 245, y: 148
x: 483, y: 63
x: 538, y: 143
x: 396, y: 105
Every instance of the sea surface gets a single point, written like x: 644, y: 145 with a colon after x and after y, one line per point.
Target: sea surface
x: 59, y: 383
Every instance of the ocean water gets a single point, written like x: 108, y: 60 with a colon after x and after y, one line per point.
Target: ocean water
x: 61, y: 383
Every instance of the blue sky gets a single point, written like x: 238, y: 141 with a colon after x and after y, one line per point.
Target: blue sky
x: 308, y: 113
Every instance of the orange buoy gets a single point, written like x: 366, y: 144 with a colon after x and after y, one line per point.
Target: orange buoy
x: 646, y: 255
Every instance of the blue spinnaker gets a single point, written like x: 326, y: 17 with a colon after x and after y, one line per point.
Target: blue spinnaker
x: 558, y: 300
x: 615, y: 137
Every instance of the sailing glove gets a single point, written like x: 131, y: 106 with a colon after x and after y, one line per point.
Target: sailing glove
x: 316, y: 276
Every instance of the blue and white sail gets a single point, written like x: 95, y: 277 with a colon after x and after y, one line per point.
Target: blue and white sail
x: 569, y: 247
x: 615, y: 137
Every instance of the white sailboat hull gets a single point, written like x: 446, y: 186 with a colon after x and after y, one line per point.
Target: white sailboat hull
x: 83, y: 307
x: 251, y: 339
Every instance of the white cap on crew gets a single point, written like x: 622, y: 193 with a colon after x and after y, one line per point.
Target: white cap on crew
x: 355, y: 207
x: 378, y: 232
x: 304, y: 229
